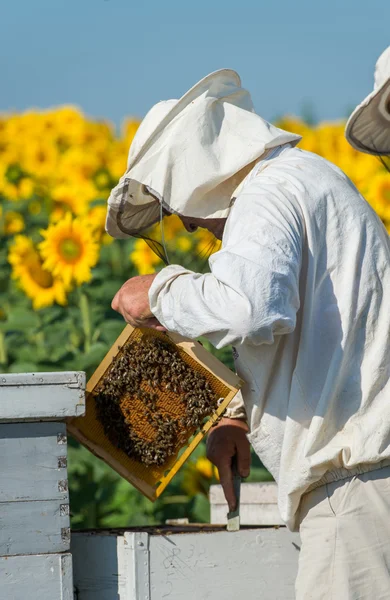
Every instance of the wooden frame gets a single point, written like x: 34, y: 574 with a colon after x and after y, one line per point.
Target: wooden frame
x: 89, y: 432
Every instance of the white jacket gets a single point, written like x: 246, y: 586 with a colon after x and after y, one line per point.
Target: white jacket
x: 301, y: 288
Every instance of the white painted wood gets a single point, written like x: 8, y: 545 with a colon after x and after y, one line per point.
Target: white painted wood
x: 101, y: 567
x: 138, y: 560
x: 33, y: 527
x: 258, y: 504
x: 251, y: 493
x: 42, y: 577
x: 41, y: 396
x: 71, y: 378
x: 32, y: 462
x: 250, y: 564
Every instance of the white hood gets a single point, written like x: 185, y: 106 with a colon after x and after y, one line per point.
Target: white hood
x: 187, y: 155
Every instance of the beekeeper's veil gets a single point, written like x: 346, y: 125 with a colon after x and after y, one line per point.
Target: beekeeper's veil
x: 368, y: 128
x: 188, y: 156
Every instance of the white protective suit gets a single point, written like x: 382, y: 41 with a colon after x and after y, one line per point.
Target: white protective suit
x: 301, y: 288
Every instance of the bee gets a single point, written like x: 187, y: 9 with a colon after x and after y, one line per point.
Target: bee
x: 147, y: 371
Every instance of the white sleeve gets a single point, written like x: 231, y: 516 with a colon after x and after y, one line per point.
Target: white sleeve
x: 252, y: 292
x: 236, y: 408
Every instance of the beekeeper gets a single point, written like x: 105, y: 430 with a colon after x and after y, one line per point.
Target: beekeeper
x: 301, y: 289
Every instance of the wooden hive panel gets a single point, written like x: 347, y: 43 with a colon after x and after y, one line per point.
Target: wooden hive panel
x: 151, y: 479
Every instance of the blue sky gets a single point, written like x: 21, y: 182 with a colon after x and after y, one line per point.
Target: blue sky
x: 117, y: 57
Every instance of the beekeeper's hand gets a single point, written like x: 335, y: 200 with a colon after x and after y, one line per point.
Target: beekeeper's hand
x: 225, y: 440
x: 132, y: 302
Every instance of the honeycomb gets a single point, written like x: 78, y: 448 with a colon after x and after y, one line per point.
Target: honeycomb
x: 149, y: 404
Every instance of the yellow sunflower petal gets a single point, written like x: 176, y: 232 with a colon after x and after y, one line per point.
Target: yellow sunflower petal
x: 69, y: 249
x: 37, y: 283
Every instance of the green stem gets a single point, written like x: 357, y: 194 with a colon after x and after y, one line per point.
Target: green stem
x: 3, y: 349
x: 116, y: 259
x: 86, y: 322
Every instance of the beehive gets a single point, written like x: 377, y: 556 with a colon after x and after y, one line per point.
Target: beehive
x: 158, y: 409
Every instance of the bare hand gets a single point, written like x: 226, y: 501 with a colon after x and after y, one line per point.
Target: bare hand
x: 132, y: 302
x: 226, y: 440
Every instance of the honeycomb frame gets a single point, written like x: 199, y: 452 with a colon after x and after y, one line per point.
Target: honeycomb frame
x: 88, y: 430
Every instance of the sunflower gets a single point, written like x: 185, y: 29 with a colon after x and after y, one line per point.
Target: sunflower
x: 26, y: 188
x: 293, y: 124
x: 77, y: 165
x: 207, y: 243
x: 183, y: 243
x: 129, y: 129
x: 9, y: 190
x: 14, y: 222
x: 34, y: 207
x: 378, y: 195
x: 198, y: 477
x: 144, y: 258
x: 37, y: 283
x: 205, y: 467
x: 97, y: 222
x: 117, y: 159
x: 173, y: 226
x: 40, y: 158
x: 73, y: 196
x: 102, y: 179
x: 21, y: 251
x: 69, y: 250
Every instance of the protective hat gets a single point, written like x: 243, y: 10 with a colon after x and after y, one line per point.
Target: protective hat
x: 368, y: 128
x: 188, y: 156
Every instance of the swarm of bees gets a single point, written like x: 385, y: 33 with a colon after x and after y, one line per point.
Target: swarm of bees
x: 151, y: 400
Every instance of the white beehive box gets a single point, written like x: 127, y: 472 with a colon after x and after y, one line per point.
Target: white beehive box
x: 34, y: 500
x: 258, y: 504
x: 189, y: 563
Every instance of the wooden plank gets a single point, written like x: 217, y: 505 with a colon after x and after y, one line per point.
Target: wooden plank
x: 100, y: 567
x: 39, y: 577
x: 113, y: 351
x: 265, y: 492
x: 255, y: 563
x: 69, y: 378
x: 34, y: 527
x: 252, y: 563
x: 258, y: 504
x: 41, y: 396
x: 250, y: 514
x: 207, y: 360
x: 33, y: 459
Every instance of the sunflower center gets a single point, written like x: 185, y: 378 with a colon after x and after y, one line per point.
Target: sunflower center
x: 41, y: 156
x: 70, y: 249
x: 386, y: 193
x: 41, y: 277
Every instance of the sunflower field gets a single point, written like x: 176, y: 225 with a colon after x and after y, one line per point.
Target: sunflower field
x: 59, y: 271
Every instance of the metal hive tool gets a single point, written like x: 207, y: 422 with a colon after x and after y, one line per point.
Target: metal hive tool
x: 155, y: 408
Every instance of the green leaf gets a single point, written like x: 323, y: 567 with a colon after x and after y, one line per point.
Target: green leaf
x: 259, y: 474
x: 111, y: 329
x: 20, y: 320
x: 201, y: 509
x: 23, y: 367
x: 94, y: 356
x: 54, y: 313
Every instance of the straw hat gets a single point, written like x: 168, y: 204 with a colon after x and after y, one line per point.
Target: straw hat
x: 368, y: 128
